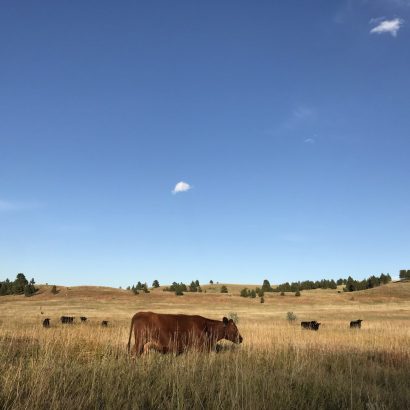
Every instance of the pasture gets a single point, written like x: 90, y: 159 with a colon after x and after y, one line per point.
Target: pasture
x: 278, y: 366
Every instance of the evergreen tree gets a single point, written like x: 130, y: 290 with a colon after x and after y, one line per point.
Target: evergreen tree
x: 193, y: 287
x: 155, y: 284
x: 266, y: 287
x: 244, y: 292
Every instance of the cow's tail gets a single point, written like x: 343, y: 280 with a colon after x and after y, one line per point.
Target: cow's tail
x: 129, y: 339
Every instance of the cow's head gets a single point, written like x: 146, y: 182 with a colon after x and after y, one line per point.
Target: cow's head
x: 231, y: 331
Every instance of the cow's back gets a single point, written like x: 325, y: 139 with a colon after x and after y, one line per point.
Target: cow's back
x: 168, y: 323
x: 169, y: 331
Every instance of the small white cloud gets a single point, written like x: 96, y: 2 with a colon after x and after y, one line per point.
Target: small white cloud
x: 387, y: 26
x: 181, y: 187
x: 310, y: 140
x: 302, y: 113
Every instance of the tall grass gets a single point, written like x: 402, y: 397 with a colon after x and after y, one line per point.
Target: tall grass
x: 278, y: 366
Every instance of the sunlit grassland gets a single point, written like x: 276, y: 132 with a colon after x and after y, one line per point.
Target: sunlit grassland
x: 278, y: 366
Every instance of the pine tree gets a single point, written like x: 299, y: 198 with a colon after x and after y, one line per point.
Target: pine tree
x: 266, y: 287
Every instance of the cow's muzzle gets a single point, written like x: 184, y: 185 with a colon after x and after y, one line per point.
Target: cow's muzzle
x: 240, y: 339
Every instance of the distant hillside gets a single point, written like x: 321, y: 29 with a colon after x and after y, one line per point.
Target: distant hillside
x: 389, y: 292
x: 394, y: 290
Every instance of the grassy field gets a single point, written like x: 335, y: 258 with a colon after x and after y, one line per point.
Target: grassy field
x: 278, y: 366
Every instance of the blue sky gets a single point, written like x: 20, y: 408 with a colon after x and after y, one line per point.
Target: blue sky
x: 289, y: 123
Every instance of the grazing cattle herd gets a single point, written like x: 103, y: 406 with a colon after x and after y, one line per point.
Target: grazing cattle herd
x: 70, y: 320
x: 176, y: 333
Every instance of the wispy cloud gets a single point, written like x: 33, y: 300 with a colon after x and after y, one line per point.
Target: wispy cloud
x: 300, y: 118
x: 386, y: 26
x: 17, y: 206
x: 181, y: 187
x: 310, y: 140
x: 302, y: 113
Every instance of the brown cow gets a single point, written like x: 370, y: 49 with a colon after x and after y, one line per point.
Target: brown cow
x: 176, y: 333
x: 312, y: 325
x: 356, y: 324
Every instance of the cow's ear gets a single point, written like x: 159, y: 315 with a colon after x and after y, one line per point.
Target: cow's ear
x: 230, y: 320
x: 225, y: 320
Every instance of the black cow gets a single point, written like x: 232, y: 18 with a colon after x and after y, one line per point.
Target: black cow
x: 46, y: 322
x: 83, y: 318
x: 312, y: 325
x: 104, y: 323
x: 67, y: 319
x: 356, y: 324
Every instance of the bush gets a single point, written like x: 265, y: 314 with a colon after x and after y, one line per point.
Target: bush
x: 262, y: 299
x: 297, y: 293
x: 224, y: 289
x: 282, y: 293
x: 291, y: 317
x: 244, y: 292
x: 259, y: 292
x: 234, y: 316
x: 54, y: 290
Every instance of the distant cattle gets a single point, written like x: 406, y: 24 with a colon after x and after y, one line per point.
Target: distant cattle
x: 67, y: 319
x: 356, y: 324
x: 83, y: 318
x: 46, y: 322
x: 177, y: 333
x: 312, y: 325
x: 104, y: 323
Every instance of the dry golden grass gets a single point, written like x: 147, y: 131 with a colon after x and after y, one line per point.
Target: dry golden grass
x: 278, y: 365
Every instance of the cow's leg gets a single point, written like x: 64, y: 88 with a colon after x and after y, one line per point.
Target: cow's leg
x: 138, y: 347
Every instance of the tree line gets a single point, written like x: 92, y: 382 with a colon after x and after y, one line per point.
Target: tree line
x: 352, y: 285
x: 404, y: 274
x: 20, y: 286
x: 180, y: 288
